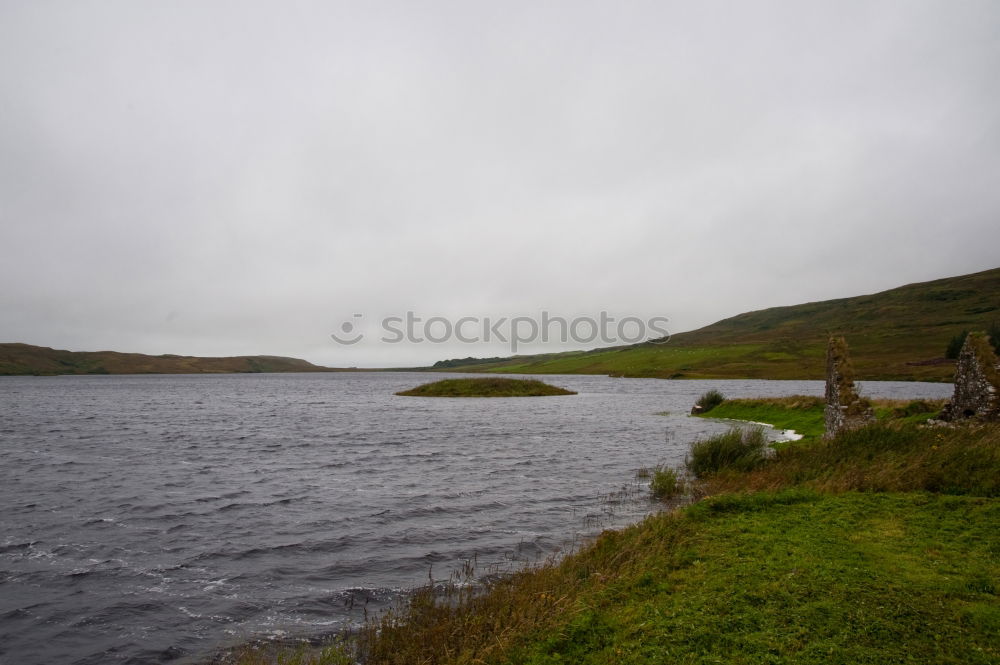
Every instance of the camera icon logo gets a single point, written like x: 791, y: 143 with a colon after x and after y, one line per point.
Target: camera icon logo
x: 347, y: 329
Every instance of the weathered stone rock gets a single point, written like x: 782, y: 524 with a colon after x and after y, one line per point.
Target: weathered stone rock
x: 977, y: 382
x: 845, y: 409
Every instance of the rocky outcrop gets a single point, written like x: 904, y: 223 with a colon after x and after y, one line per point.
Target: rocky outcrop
x: 845, y: 409
x: 977, y: 382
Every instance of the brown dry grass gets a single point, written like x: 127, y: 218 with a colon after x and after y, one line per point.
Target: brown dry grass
x: 471, y: 624
x: 789, y: 402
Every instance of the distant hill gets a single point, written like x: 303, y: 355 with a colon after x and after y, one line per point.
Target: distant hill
x: 28, y: 359
x: 900, y: 334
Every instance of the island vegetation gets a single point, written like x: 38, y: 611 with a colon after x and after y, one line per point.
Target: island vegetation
x: 485, y: 387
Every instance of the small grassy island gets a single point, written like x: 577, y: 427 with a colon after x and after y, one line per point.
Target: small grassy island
x: 485, y: 387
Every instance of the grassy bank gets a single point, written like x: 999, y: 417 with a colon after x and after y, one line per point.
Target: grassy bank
x: 879, y: 546
x: 800, y: 413
x: 486, y: 387
x: 881, y: 458
x: 787, y: 577
x: 804, y: 413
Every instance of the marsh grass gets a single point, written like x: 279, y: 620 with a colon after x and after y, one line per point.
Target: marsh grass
x: 709, y: 400
x: 666, y: 483
x: 267, y: 653
x: 883, y: 457
x: 740, y: 449
x: 464, y: 622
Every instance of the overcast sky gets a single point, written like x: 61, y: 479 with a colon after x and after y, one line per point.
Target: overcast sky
x: 218, y: 178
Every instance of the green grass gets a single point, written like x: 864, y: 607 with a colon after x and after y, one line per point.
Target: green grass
x: 792, y: 577
x: 485, y: 387
x: 800, y: 413
x: 804, y: 414
x: 913, y: 412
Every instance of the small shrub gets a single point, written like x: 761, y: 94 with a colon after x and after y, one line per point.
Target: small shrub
x: 709, y: 400
x: 955, y: 345
x: 739, y: 449
x: 666, y: 483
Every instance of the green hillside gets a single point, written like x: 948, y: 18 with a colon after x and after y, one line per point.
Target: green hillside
x: 28, y: 359
x: 897, y: 334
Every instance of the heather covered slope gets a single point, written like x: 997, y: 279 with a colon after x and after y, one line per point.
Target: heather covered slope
x: 28, y: 359
x: 897, y: 334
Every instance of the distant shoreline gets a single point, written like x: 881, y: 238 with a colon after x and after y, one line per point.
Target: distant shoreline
x: 17, y: 359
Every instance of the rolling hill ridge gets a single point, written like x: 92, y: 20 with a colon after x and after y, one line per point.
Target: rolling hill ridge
x: 899, y: 334
x: 27, y: 359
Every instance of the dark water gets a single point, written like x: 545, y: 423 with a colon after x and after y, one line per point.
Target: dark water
x: 149, y: 519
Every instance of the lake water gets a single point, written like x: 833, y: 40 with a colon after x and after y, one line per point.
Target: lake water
x: 153, y: 519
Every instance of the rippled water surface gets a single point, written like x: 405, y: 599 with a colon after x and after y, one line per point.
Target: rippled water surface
x: 148, y: 519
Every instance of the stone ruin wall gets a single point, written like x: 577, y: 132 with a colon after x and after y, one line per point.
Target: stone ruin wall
x: 977, y: 382
x: 845, y: 409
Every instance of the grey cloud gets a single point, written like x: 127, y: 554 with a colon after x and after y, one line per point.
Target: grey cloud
x: 212, y: 177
